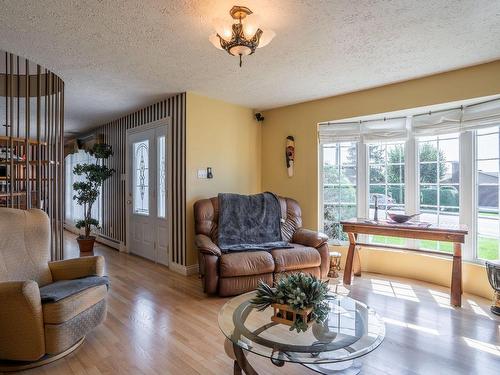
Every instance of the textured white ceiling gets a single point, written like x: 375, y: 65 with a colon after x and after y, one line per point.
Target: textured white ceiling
x: 116, y: 56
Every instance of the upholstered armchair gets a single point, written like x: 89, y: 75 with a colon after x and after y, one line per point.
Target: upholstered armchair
x: 236, y: 273
x: 33, y: 329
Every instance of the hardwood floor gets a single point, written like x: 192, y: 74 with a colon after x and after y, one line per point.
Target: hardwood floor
x: 160, y: 322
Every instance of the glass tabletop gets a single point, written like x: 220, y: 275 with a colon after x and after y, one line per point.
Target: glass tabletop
x: 351, y: 331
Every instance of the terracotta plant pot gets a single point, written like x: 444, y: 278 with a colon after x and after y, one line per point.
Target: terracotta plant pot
x: 86, y: 245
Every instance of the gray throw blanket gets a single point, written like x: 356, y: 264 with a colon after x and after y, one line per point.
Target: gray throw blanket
x: 250, y: 222
x: 64, y: 288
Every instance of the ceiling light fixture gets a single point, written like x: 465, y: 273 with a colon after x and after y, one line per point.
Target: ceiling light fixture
x: 241, y: 38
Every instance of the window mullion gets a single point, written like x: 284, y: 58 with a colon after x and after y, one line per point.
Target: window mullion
x: 467, y: 189
x: 321, y: 220
x: 438, y: 183
x: 362, y: 180
x: 498, y: 203
x: 411, y: 181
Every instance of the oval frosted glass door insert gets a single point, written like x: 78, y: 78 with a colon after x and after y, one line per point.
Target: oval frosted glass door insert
x: 141, y: 177
x: 162, y: 182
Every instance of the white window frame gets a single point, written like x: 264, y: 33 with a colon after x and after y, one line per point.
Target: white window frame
x: 475, y: 210
x: 467, y: 187
x: 71, y: 160
x: 321, y: 211
x: 438, y: 182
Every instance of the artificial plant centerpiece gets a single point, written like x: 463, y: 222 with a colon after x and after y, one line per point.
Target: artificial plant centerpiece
x: 87, y: 191
x: 298, y: 300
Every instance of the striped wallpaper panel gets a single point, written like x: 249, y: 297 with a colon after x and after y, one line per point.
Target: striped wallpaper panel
x: 114, y: 199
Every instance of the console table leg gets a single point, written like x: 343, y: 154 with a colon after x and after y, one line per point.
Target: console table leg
x: 356, y: 263
x: 456, y: 276
x: 350, y: 258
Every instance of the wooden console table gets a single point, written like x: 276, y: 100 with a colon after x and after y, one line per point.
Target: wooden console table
x: 420, y: 231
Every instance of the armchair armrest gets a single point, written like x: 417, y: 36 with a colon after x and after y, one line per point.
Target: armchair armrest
x: 205, y: 245
x: 310, y: 238
x: 21, y: 321
x: 77, y: 267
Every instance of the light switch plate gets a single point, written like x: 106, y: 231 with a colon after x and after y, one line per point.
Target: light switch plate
x: 202, y: 173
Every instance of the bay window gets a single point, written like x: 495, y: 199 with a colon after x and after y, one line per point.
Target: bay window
x: 339, y: 186
x: 444, y: 165
x: 386, y: 175
x: 487, y: 163
x: 439, y: 184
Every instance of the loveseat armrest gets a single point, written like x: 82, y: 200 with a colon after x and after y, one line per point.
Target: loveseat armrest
x: 206, y: 245
x: 21, y: 321
x: 309, y: 238
x: 76, y: 268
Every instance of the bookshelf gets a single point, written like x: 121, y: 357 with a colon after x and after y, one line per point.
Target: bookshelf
x: 32, y: 141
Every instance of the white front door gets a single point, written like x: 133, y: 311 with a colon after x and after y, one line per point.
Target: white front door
x: 147, y: 229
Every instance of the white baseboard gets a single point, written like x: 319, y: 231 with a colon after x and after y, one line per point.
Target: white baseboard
x: 193, y: 269
x: 108, y: 242
x: 114, y: 244
x: 71, y: 228
x: 184, y: 270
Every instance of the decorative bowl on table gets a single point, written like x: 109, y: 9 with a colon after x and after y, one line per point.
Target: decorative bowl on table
x: 400, y: 218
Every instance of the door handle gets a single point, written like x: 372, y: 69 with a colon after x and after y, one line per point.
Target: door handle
x: 129, y: 201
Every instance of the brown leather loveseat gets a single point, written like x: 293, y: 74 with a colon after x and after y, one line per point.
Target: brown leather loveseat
x: 236, y: 273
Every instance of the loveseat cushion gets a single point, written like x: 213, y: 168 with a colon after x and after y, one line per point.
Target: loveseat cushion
x: 67, y: 308
x: 246, y: 263
x: 232, y: 286
x: 299, y: 257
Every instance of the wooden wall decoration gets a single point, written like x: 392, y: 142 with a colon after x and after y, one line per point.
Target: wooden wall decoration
x: 114, y: 200
x: 32, y: 141
x: 290, y: 155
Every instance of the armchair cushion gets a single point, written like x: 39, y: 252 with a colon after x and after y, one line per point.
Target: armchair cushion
x: 310, y: 238
x: 76, y: 268
x: 246, y: 263
x: 206, y: 245
x: 64, y: 288
x: 67, y: 308
x: 21, y: 321
x: 300, y: 257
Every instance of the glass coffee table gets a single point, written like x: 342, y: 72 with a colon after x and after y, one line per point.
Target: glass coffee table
x: 352, y: 330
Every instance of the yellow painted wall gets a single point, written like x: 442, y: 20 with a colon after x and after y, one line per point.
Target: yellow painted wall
x: 301, y: 121
x: 419, y: 266
x: 227, y: 138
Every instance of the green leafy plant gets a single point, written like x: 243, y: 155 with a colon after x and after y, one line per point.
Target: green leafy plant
x: 87, y: 191
x: 299, y: 291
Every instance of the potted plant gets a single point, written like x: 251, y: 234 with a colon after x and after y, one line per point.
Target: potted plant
x: 298, y: 300
x: 87, y: 192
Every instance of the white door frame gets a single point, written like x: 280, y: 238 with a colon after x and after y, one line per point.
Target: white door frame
x: 166, y: 121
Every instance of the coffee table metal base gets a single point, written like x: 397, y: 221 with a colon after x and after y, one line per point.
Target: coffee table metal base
x: 241, y: 363
x: 351, y: 367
